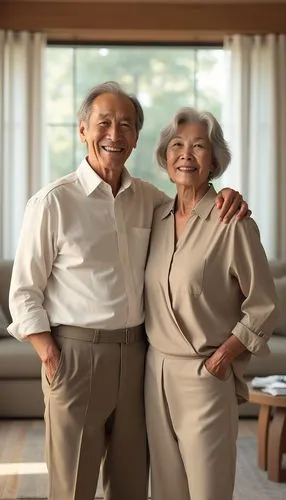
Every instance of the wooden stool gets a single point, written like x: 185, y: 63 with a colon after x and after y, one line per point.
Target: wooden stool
x: 271, y: 433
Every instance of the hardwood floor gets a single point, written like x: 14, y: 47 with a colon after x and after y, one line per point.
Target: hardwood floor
x: 247, y: 427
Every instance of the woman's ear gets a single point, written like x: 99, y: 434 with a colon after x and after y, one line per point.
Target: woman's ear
x: 213, y: 168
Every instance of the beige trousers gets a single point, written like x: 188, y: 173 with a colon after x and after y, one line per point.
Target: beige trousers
x: 94, y: 412
x: 192, y: 421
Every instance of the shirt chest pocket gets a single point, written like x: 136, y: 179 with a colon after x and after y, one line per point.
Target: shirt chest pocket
x: 193, y: 279
x: 187, y: 276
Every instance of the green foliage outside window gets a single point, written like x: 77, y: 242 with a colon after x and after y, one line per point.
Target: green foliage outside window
x: 163, y: 78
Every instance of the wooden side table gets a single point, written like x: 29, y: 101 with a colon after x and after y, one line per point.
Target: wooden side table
x: 271, y: 433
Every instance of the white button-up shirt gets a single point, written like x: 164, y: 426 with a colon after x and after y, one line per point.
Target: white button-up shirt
x: 82, y: 254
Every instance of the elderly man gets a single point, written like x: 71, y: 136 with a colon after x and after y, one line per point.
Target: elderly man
x: 76, y: 295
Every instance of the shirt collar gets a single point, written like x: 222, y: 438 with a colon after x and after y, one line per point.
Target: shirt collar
x: 202, y: 209
x: 90, y: 180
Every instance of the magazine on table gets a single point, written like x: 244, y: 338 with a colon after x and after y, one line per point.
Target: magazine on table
x: 273, y: 384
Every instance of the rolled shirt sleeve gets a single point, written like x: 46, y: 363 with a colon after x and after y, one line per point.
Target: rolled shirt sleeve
x: 33, y: 262
x: 260, y: 306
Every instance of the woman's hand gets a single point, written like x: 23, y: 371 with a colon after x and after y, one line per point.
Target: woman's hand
x: 219, y: 362
x: 230, y: 203
x: 217, y: 366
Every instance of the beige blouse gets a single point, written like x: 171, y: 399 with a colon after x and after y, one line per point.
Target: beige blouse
x: 213, y: 283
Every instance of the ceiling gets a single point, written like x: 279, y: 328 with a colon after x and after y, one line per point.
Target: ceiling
x: 144, y: 20
x: 229, y: 2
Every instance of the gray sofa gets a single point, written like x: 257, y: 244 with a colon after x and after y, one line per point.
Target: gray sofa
x: 20, y: 367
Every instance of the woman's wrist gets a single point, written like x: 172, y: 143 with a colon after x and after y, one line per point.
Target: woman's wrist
x: 225, y: 355
x: 230, y: 349
x: 218, y: 364
x: 221, y: 359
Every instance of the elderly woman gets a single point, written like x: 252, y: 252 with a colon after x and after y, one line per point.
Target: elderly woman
x: 210, y: 304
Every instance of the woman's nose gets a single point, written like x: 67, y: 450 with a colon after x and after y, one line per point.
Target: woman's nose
x: 188, y: 153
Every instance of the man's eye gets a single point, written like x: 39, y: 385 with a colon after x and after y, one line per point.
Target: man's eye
x: 103, y: 123
x: 125, y: 124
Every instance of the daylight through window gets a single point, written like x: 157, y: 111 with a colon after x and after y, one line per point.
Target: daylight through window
x: 163, y: 78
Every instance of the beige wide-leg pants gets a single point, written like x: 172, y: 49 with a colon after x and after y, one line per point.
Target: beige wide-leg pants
x: 95, y: 411
x: 192, y: 422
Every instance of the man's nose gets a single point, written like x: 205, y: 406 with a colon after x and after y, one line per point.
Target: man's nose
x: 114, y: 131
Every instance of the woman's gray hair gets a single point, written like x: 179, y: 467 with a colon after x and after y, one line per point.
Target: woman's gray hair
x: 110, y: 88
x: 220, y: 149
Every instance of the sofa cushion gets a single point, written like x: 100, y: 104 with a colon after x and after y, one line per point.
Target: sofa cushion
x: 5, y: 273
x: 3, y: 323
x: 280, y: 286
x: 18, y: 360
x: 273, y: 364
x: 277, y: 268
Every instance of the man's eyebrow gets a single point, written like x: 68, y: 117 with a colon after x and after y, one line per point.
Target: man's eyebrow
x: 101, y: 116
x: 127, y: 119
x: 104, y: 115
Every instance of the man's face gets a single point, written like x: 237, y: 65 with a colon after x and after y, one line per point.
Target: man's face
x: 110, y: 133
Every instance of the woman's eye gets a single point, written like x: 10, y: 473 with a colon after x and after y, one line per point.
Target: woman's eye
x: 103, y: 124
x: 198, y: 146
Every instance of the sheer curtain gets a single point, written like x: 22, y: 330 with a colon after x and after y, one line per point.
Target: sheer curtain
x: 22, y: 145
x: 254, y: 120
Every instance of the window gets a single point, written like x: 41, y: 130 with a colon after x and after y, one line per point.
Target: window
x: 163, y: 78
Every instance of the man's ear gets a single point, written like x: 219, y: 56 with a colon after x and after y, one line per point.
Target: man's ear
x: 82, y: 131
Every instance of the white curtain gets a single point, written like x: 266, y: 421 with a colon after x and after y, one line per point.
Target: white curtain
x: 254, y: 119
x: 22, y: 145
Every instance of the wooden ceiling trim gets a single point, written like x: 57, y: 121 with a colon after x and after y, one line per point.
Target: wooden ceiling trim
x: 52, y: 16
x: 228, y: 2
x: 135, y: 36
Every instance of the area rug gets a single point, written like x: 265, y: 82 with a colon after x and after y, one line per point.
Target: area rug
x: 23, y: 472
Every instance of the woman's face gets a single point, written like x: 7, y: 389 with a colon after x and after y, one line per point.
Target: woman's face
x: 189, y: 156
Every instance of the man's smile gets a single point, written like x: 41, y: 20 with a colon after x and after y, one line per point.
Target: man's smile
x: 111, y: 149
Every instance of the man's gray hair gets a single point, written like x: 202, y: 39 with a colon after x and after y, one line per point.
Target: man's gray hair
x: 220, y: 149
x: 110, y: 88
